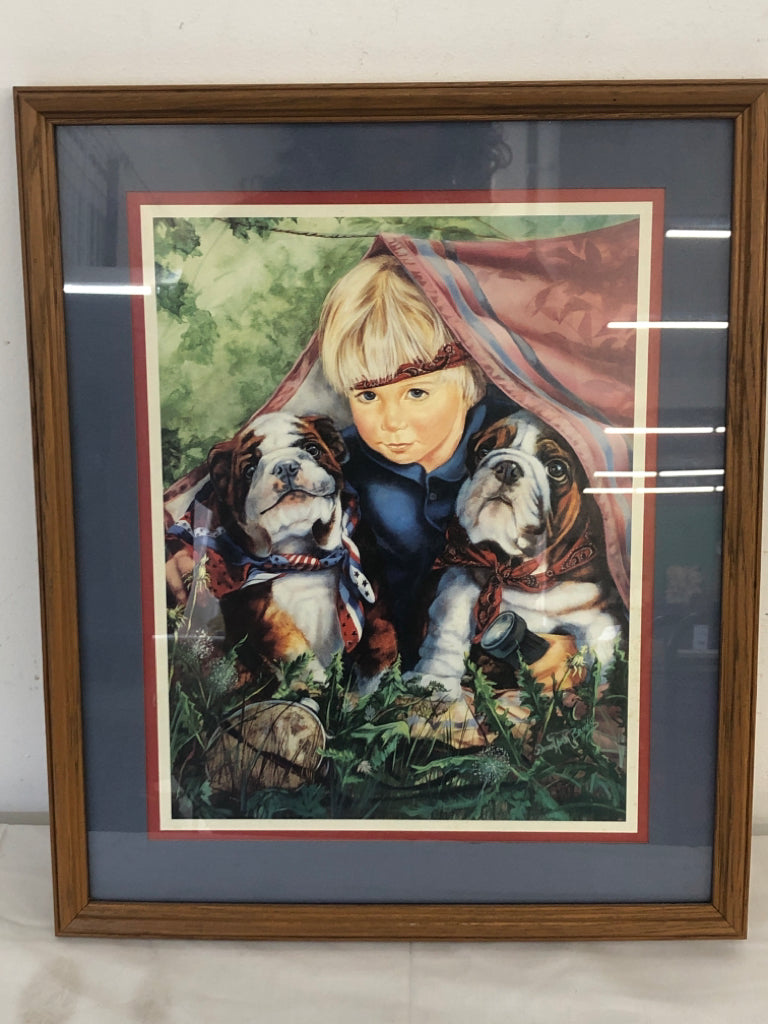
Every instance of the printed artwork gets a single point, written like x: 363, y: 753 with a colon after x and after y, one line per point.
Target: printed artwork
x: 393, y: 572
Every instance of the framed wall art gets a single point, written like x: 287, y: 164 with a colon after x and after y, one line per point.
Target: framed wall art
x: 398, y: 454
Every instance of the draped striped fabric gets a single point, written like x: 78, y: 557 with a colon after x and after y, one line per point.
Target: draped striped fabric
x: 535, y: 317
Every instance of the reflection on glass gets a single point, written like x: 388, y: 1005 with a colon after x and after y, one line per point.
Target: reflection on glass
x: 106, y: 289
x: 674, y: 325
x: 697, y: 233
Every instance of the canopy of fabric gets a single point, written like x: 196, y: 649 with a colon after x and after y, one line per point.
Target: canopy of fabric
x: 538, y: 317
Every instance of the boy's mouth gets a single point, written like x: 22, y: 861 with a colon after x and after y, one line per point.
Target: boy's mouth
x: 398, y: 449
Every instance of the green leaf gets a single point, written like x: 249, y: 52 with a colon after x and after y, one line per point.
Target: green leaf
x: 186, y: 723
x: 487, y: 707
x: 175, y: 236
x: 197, y: 342
x: 172, y: 298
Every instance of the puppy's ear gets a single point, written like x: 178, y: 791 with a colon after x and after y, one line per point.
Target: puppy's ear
x: 471, y: 456
x: 220, y: 470
x: 479, y: 445
x: 326, y: 428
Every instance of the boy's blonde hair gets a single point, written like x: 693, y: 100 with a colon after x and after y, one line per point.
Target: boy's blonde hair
x: 374, y: 320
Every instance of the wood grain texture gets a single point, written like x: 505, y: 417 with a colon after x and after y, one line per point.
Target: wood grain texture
x: 55, y: 509
x: 376, y: 922
x: 390, y: 102
x: 38, y: 112
x: 745, y: 422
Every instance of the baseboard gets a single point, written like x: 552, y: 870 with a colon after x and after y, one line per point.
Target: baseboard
x: 24, y: 818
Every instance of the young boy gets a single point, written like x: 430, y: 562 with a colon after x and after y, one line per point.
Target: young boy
x: 415, y: 399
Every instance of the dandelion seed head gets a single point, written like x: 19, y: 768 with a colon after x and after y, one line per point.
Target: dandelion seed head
x: 492, y: 765
x: 202, y: 645
x: 221, y: 677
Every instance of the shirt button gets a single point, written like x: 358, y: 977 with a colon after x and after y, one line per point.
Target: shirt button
x: 432, y: 496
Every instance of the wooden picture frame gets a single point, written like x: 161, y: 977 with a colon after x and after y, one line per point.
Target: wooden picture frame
x: 81, y: 906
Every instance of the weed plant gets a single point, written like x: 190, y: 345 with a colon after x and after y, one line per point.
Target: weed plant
x: 566, y: 763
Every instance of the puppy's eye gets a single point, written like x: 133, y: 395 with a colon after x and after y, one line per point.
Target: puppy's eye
x: 558, y: 471
x: 313, y: 448
x: 250, y: 469
x: 482, y: 451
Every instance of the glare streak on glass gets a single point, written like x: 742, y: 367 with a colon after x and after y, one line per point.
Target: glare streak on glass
x: 674, y: 325
x: 107, y: 289
x: 697, y: 233
x: 691, y: 472
x: 640, y: 473
x: 664, y: 430
x: 653, y: 490
x: 615, y: 474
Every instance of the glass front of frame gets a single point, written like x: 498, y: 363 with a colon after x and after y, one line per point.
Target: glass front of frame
x: 416, y: 494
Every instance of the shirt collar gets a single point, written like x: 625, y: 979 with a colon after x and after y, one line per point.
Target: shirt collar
x: 456, y: 467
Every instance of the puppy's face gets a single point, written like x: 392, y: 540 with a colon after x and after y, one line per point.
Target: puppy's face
x: 280, y: 478
x: 523, y: 489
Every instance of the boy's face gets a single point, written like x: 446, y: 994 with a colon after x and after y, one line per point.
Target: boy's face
x: 419, y: 420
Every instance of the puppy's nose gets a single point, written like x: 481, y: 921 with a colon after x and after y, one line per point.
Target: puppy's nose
x: 508, y: 472
x: 286, y: 471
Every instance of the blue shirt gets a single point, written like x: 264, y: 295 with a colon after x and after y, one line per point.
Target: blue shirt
x: 408, y: 509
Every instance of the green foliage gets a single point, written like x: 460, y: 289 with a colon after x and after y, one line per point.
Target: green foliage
x: 548, y: 766
x: 175, y: 235
x: 198, y: 340
x: 172, y: 454
x: 238, y: 299
x: 241, y: 227
x: 173, y: 298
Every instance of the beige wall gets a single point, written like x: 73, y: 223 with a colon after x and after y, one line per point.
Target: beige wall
x: 190, y: 41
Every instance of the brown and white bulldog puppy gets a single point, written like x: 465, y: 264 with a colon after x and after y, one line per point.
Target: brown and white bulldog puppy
x: 281, y: 540
x: 525, y: 539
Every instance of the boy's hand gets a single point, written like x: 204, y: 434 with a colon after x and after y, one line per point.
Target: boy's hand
x: 179, y: 568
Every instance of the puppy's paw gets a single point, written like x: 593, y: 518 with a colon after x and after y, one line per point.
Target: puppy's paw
x: 316, y: 673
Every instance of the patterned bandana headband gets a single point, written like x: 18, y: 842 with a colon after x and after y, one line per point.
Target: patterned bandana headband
x: 448, y: 356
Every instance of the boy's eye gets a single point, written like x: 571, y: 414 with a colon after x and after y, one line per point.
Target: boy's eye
x: 417, y: 393
x: 366, y: 396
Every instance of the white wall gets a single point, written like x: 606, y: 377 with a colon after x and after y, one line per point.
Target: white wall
x: 103, y: 42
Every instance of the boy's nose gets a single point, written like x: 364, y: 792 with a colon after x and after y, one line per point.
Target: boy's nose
x: 391, y: 418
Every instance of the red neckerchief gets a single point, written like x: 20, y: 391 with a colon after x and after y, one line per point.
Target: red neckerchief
x: 229, y: 568
x: 508, y: 572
